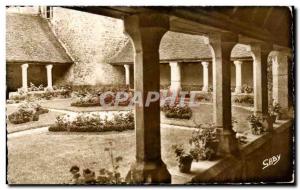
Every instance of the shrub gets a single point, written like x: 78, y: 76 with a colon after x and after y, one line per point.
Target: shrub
x: 244, y: 100
x: 35, y: 94
x: 89, y: 99
x: 21, y: 116
x: 86, y: 101
x: 205, y: 97
x: 276, y: 108
x: 86, y: 122
x: 255, y: 124
x: 184, y: 159
x: 177, y: 111
x: 204, y: 142
x: 32, y: 87
x: 18, y: 97
x: 27, y: 112
x: 247, y: 89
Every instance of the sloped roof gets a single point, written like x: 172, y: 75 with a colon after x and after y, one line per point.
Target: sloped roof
x: 29, y: 38
x: 179, y: 46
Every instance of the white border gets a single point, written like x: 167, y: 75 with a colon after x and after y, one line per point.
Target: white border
x: 109, y: 2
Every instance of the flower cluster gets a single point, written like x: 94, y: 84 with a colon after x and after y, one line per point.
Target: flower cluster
x: 177, y: 111
x: 26, y: 112
x: 204, y: 142
x: 105, y: 176
x: 92, y: 122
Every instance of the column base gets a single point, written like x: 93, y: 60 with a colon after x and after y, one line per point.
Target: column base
x: 149, y: 173
x: 228, y: 143
x: 205, y: 89
x: 23, y: 89
x: 175, y: 89
x: 238, y: 90
x: 49, y: 88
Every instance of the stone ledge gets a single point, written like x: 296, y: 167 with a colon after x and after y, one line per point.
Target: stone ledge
x: 206, y: 171
x: 282, y: 125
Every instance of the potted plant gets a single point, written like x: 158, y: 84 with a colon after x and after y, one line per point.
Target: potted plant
x: 255, y: 125
x: 204, y: 143
x: 277, y: 111
x: 247, y: 89
x: 272, y: 115
x: 184, y: 159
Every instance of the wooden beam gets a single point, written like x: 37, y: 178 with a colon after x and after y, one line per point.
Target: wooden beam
x: 267, y: 17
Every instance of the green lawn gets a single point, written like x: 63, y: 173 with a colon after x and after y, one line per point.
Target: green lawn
x: 46, y: 158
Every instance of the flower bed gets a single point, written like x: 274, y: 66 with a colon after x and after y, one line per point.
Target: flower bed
x: 89, y: 100
x: 37, y: 94
x: 86, y: 101
x: 92, y: 122
x: 177, y: 112
x: 204, y: 97
x: 243, y: 99
x: 27, y: 112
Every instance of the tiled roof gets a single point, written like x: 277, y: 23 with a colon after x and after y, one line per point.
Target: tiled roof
x: 179, y: 46
x: 29, y: 38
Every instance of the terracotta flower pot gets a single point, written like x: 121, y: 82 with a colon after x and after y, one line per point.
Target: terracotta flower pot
x: 185, y: 164
x: 278, y: 116
x: 273, y: 117
x: 256, y: 131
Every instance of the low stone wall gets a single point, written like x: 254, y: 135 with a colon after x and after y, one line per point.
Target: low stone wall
x: 266, y: 158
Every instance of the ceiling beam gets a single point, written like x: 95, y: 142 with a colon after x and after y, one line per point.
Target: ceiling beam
x: 267, y: 17
x: 206, y: 18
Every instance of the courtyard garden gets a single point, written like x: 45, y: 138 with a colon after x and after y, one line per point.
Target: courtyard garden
x: 78, y: 136
x: 78, y: 141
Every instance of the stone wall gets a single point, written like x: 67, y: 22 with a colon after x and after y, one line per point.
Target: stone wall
x: 250, y: 165
x: 91, y: 40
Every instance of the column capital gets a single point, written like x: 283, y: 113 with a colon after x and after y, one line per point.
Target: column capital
x: 218, y: 42
x: 281, y: 54
x: 237, y: 62
x: 135, y: 26
x: 50, y: 66
x: 25, y: 65
x: 173, y: 64
x: 287, y: 51
x: 205, y: 63
x: 127, y: 66
x: 220, y: 37
x: 256, y: 47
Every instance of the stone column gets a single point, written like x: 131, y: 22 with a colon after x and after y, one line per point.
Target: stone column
x: 260, y: 55
x: 175, y: 77
x: 238, y: 76
x: 49, y: 76
x: 146, y: 32
x: 24, y: 77
x: 280, y: 80
x: 205, y: 75
x: 221, y: 46
x: 127, y: 75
